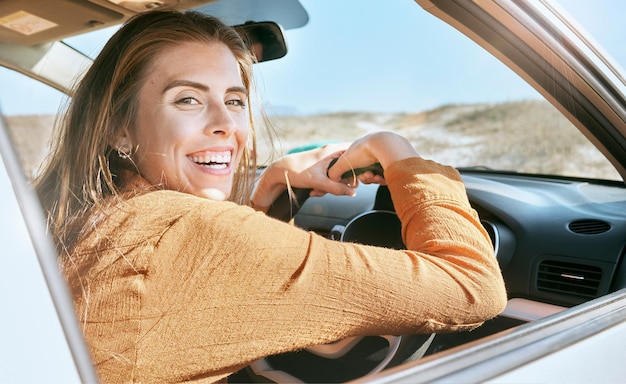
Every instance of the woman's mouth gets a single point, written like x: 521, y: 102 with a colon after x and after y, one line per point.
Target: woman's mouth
x: 213, y: 160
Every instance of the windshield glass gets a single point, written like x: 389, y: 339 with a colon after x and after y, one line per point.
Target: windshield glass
x: 418, y: 76
x: 355, y: 69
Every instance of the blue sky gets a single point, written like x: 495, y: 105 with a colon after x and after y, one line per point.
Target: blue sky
x: 378, y: 59
x: 374, y: 56
x: 413, y: 72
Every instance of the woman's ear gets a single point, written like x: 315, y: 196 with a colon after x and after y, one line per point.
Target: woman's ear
x: 123, y: 144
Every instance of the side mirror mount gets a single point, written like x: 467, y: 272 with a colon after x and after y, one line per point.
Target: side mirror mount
x: 265, y: 39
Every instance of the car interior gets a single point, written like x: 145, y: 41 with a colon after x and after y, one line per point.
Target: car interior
x: 559, y: 240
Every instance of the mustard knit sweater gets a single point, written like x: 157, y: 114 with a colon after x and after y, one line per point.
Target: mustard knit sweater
x: 171, y: 287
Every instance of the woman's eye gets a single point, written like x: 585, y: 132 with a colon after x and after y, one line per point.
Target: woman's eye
x: 236, y: 103
x: 188, y: 101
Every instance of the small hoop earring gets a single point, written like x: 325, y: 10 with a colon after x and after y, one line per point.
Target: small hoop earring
x: 124, y: 152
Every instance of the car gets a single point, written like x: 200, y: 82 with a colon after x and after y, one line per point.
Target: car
x: 525, y: 103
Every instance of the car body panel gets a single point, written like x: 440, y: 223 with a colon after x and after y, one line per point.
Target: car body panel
x: 31, y: 326
x: 568, y: 347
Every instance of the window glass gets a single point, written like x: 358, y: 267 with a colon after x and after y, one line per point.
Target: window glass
x: 355, y: 69
x: 346, y: 76
x: 30, y: 109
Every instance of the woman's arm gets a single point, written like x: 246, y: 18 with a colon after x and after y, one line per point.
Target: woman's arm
x: 320, y: 170
x: 253, y: 286
x: 304, y: 170
x: 202, y: 287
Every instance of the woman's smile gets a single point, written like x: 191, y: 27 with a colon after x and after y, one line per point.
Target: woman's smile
x: 212, y: 160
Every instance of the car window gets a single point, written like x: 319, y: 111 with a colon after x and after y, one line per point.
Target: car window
x: 345, y: 77
x: 30, y: 108
x: 416, y: 75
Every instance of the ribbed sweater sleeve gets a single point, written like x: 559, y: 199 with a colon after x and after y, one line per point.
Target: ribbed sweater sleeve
x: 171, y: 287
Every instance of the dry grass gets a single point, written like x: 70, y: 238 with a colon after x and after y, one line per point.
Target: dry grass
x: 526, y: 136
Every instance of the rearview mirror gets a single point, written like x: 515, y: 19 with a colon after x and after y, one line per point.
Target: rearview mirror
x: 265, y: 39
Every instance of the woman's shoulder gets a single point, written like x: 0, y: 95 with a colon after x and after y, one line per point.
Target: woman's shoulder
x: 163, y: 203
x: 165, y: 198
x: 167, y: 203
x: 151, y: 214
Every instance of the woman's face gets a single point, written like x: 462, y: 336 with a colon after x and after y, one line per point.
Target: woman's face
x: 192, y: 124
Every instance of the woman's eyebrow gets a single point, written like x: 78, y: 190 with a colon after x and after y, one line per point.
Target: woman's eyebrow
x: 200, y: 86
x: 186, y: 83
x: 238, y: 89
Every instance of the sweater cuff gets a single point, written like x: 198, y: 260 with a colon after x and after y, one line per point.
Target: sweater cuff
x: 415, y: 180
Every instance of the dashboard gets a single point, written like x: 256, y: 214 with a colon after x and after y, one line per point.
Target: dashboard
x: 558, y: 241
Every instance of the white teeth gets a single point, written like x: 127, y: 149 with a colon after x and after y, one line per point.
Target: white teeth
x: 214, y: 160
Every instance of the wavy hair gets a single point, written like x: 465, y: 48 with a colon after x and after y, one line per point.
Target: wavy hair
x: 83, y: 173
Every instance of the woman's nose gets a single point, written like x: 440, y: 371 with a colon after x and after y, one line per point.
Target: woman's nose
x: 220, y: 121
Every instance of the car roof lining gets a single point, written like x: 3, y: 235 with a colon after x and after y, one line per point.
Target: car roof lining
x: 21, y: 24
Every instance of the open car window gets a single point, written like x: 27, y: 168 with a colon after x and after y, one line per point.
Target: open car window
x: 460, y: 107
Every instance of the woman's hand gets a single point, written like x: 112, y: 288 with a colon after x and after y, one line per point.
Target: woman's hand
x: 381, y: 147
x: 306, y: 170
x: 312, y: 169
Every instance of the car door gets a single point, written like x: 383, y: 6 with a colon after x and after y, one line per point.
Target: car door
x: 40, y: 340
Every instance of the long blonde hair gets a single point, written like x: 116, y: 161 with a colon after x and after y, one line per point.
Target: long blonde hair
x: 82, y: 174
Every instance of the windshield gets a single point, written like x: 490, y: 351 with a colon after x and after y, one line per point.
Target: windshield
x: 418, y: 76
x: 356, y: 69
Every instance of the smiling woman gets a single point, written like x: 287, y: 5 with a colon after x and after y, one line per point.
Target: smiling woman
x: 150, y: 130
x: 173, y: 274
x: 191, y: 131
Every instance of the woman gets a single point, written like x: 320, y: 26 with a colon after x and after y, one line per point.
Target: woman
x: 175, y: 273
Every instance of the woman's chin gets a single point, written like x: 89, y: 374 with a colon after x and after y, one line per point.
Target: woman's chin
x: 213, y: 194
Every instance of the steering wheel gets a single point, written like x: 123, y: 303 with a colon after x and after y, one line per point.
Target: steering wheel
x: 354, y: 357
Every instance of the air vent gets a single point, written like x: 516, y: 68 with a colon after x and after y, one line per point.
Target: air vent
x: 569, y: 278
x: 589, y: 227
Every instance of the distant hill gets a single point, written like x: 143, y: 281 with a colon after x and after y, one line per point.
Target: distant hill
x: 527, y: 136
